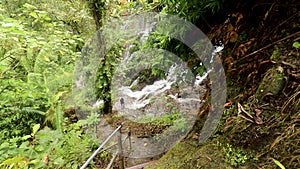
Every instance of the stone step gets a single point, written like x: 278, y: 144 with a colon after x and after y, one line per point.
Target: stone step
x: 141, y: 166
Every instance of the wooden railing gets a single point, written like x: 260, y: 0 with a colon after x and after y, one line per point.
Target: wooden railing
x: 119, y: 152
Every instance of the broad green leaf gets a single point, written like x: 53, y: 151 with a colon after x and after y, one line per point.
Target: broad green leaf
x: 34, y: 14
x: 18, y: 32
x: 29, y: 6
x: 35, y: 129
x: 12, y: 160
x: 58, y: 95
x: 296, y: 45
x: 40, y: 148
x: 26, y: 137
x: 46, y: 18
x: 46, y: 58
x: 33, y: 162
x: 4, y: 145
x: 24, y: 145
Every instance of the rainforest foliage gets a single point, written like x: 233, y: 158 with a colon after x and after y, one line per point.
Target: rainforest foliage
x: 40, y: 41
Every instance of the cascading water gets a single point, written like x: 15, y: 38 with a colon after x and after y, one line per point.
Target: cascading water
x: 178, y: 93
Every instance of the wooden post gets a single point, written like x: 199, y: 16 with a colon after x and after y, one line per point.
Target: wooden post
x: 122, y: 165
x: 129, y: 139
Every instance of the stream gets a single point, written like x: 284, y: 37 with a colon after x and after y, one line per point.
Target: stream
x: 178, y: 93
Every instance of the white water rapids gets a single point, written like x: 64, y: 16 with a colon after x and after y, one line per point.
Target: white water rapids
x: 178, y: 93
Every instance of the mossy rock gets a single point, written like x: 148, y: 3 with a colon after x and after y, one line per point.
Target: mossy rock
x: 272, y: 83
x: 276, y: 55
x: 189, y: 154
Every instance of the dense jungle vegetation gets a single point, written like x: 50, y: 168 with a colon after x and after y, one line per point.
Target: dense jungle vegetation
x: 41, y: 40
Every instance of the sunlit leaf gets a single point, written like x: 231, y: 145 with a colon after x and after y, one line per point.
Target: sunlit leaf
x: 12, y: 160
x: 29, y: 6
x: 296, y: 45
x: 35, y: 129
x: 18, y: 32
x: 279, y: 164
x: 8, y: 24
x: 62, y: 52
x: 46, y: 58
x: 34, y: 14
x: 26, y: 137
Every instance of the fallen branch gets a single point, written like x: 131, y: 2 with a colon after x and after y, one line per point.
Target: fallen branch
x: 271, y: 44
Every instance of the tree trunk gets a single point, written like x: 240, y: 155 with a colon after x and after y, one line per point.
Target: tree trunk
x: 97, y: 9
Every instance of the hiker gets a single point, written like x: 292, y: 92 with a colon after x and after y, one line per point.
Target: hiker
x: 122, y: 103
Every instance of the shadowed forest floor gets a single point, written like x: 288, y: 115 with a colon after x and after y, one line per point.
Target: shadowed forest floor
x: 263, y: 76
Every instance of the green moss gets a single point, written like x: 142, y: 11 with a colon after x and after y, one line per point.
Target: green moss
x: 187, y: 154
x: 164, y: 120
x: 216, y: 154
x: 276, y: 54
x: 272, y: 83
x: 236, y: 156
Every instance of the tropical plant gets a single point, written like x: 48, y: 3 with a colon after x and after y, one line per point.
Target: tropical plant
x: 47, y: 149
